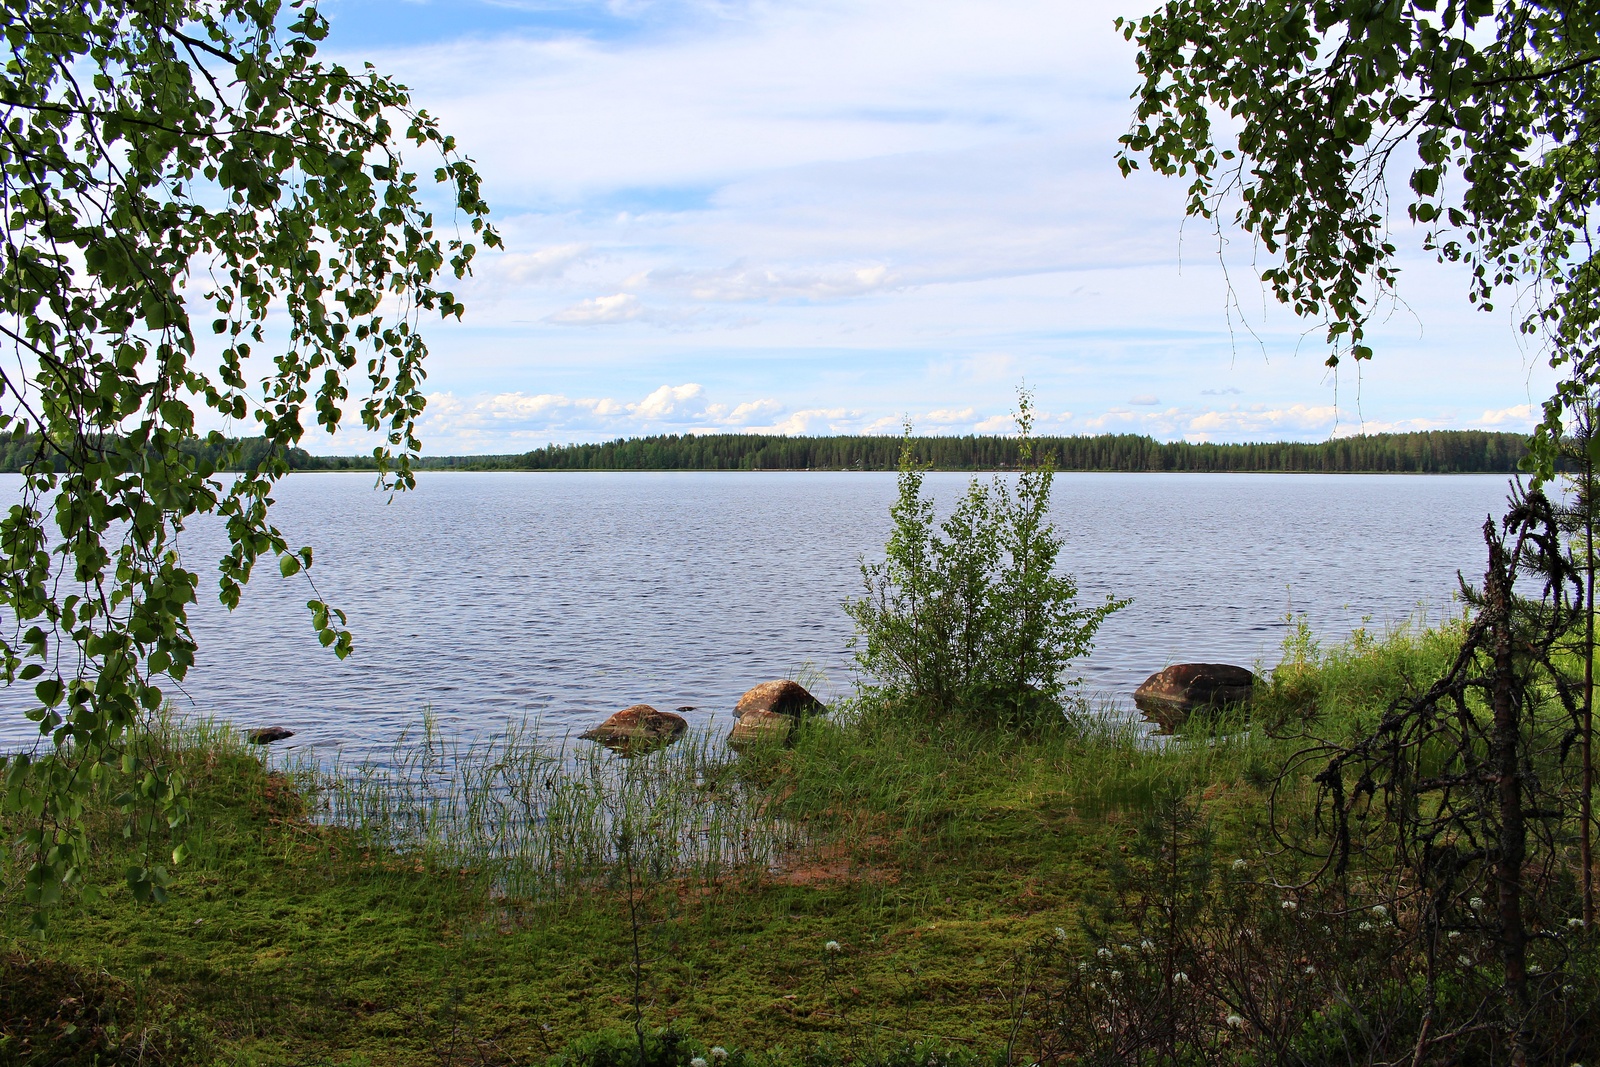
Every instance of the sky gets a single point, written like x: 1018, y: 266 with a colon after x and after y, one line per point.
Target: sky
x: 830, y: 217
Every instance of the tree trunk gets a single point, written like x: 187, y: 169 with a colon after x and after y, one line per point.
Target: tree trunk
x: 1505, y: 747
x: 1585, y: 795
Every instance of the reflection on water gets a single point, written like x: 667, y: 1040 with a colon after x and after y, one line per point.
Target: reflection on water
x: 1165, y: 719
x: 490, y: 598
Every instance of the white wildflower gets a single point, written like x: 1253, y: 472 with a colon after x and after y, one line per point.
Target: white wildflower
x: 1146, y: 945
x: 1239, y: 865
x: 1465, y: 961
x: 1310, y: 969
x: 1178, y: 978
x: 719, y: 1053
x: 831, y: 947
x: 1365, y: 927
x: 1380, y: 911
x: 1061, y: 933
x: 1236, y: 1022
x: 1115, y: 975
x: 1574, y: 924
x: 1290, y: 905
x: 1476, y: 902
x: 699, y: 1061
x: 1083, y: 967
x: 1453, y: 934
x: 1103, y: 952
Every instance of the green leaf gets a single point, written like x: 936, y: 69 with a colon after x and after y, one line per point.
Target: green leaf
x: 162, y: 177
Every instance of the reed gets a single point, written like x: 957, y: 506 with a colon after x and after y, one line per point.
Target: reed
x: 538, y: 818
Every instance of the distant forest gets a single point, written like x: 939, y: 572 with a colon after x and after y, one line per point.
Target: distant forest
x: 1436, y: 452
x: 1443, y: 452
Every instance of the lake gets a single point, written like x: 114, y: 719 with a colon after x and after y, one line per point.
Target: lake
x: 494, y: 597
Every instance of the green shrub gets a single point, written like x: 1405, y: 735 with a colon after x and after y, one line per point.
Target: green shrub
x: 970, y: 615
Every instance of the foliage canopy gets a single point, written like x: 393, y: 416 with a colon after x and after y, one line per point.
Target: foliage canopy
x: 201, y: 214
x: 1489, y: 108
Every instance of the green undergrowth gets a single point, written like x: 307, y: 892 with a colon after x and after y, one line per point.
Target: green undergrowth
x: 875, y: 887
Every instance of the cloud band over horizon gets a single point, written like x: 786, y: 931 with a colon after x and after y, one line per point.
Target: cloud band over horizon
x: 818, y: 217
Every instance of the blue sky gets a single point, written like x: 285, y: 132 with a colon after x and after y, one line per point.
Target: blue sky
x: 827, y: 217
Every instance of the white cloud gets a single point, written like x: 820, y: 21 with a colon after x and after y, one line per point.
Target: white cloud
x: 748, y: 412
x: 1349, y: 427
x: 1293, y: 422
x: 1518, y: 416
x: 565, y: 114
x: 997, y: 424
x: 601, y: 311
x: 743, y: 284
x: 539, y: 265
x: 511, y: 421
x: 1145, y: 400
x: 814, y: 421
x: 665, y: 401
x: 1296, y: 420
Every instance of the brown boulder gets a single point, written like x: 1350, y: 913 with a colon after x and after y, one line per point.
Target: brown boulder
x: 769, y: 711
x: 779, y: 698
x: 1185, y: 687
x: 637, y: 727
x: 268, y: 734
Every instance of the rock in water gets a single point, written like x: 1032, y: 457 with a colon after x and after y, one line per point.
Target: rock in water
x: 267, y: 734
x: 769, y: 711
x: 780, y: 698
x: 637, y: 728
x: 1171, y: 694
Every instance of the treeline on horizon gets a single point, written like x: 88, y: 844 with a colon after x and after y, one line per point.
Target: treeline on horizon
x: 1438, y: 452
x: 1432, y: 452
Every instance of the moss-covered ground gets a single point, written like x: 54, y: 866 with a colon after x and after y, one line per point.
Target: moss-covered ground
x: 936, y: 856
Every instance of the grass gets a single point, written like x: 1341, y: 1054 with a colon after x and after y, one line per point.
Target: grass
x: 467, y: 905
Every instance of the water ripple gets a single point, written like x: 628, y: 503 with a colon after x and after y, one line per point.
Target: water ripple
x: 494, y: 597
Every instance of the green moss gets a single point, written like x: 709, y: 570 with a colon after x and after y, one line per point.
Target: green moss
x: 936, y: 855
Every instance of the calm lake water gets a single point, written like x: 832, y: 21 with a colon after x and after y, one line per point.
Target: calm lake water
x: 491, y: 598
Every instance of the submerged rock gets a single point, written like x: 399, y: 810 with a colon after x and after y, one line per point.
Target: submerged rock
x: 760, y: 727
x: 1169, y: 696
x: 267, y: 734
x: 637, y: 727
x: 769, y: 711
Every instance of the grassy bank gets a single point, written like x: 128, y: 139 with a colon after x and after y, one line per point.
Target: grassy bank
x: 883, y: 881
